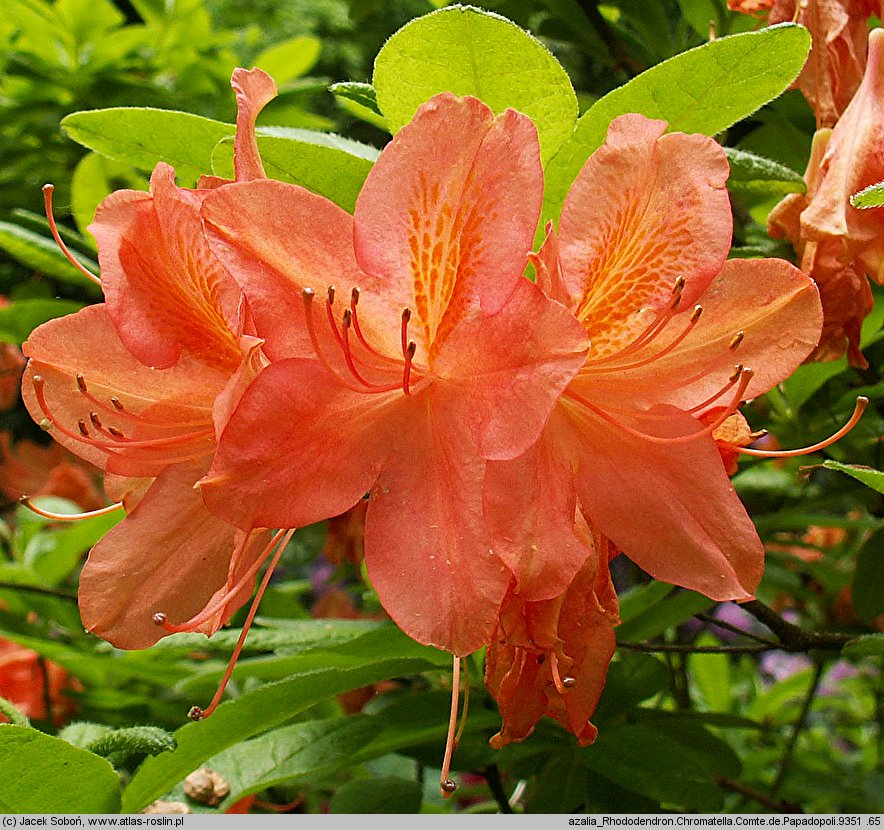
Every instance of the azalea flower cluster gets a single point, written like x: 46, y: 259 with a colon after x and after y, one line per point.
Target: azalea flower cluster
x: 264, y: 360
x: 837, y: 244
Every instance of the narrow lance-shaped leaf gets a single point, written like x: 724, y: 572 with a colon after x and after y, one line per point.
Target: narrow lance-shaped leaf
x: 704, y: 90
x: 870, y: 197
x: 867, y: 475
x: 468, y: 51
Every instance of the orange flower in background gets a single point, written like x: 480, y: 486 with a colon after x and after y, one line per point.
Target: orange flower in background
x: 32, y: 685
x: 837, y: 244
x: 839, y: 32
x: 676, y: 333
x: 442, y: 355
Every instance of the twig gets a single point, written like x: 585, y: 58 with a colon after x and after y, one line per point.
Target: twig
x: 492, y: 776
x: 687, y: 648
x: 734, y: 629
x: 793, y: 638
x: 761, y: 798
x: 798, y: 728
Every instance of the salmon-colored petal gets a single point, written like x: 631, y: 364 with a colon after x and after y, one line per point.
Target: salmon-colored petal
x: 298, y: 449
x: 170, y: 555
x: 278, y: 239
x: 774, y: 305
x: 172, y: 406
x: 527, y: 504
x: 668, y: 506
x: 645, y: 210
x: 254, y: 89
x: 447, y: 215
x: 427, y: 550
x: 548, y: 268
x: 165, y: 290
x: 511, y: 367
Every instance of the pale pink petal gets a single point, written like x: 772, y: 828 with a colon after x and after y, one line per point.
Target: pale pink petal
x: 669, y: 507
x: 447, y: 215
x: 645, y: 210
x: 165, y: 290
x: 511, y: 367
x: 169, y: 555
x: 427, y: 551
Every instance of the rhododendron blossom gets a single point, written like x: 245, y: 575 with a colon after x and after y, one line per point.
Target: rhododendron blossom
x: 677, y: 333
x: 139, y: 386
x: 407, y: 348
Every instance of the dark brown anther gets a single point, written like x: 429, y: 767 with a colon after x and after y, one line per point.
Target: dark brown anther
x: 734, y: 377
x: 96, y: 421
x: 82, y: 427
x: 569, y: 682
x: 117, y: 404
x: 736, y: 340
x: 448, y: 786
x: 354, y: 297
x: 159, y: 618
x: 81, y: 383
x: 196, y: 713
x: 115, y: 432
x: 330, y: 296
x: 406, y: 315
x: 412, y: 348
x: 347, y: 318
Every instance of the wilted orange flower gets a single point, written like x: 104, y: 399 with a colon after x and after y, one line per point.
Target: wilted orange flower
x: 31, y: 684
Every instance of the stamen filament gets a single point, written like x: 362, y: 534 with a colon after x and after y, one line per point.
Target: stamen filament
x: 554, y: 668
x: 210, y: 610
x: 354, y: 301
x: 118, y: 410
x: 346, y: 324
x: 466, y: 703
x: 50, y: 217
x: 738, y: 369
x: 68, y: 517
x: 406, y: 316
x: 197, y: 713
x: 406, y: 374
x: 446, y: 785
x: 861, y: 403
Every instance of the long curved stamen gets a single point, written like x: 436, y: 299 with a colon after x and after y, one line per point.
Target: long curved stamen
x: 354, y: 301
x: 446, y: 785
x: 562, y: 684
x: 695, y: 316
x: 406, y: 373
x: 196, y: 712
x: 406, y: 316
x: 346, y: 325
x: 745, y: 377
x: 118, y: 410
x: 861, y: 403
x: 724, y: 357
x: 466, y: 703
x: 119, y: 441
x: 209, y: 611
x: 738, y: 369
x: 50, y: 217
x: 27, y: 501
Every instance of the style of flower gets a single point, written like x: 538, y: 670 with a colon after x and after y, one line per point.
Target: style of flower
x: 139, y: 386
x: 642, y: 243
x: 837, y: 244
x: 839, y: 32
x: 440, y: 356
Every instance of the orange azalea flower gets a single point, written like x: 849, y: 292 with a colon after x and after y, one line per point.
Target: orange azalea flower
x: 839, y: 32
x: 440, y: 355
x: 551, y: 657
x: 139, y: 386
x: 837, y: 244
x: 676, y: 333
x: 31, y: 684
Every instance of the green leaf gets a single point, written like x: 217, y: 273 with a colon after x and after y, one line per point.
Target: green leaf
x: 327, y: 164
x: 42, y: 254
x: 13, y: 714
x: 871, y: 645
x: 649, y: 762
x: 754, y: 174
x: 290, y: 59
x: 704, y: 90
x: 632, y: 678
x: 361, y: 93
x: 662, y: 616
x: 712, y: 675
x: 20, y: 318
x: 866, y: 593
x: 142, y: 136
x: 867, y: 475
x: 872, y: 196
x: 134, y: 741
x: 377, y: 795
x: 42, y: 774
x: 94, y: 178
x: 468, y: 51
x: 255, y: 712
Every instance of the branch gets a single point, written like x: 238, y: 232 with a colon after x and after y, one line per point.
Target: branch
x: 687, y: 648
x: 793, y: 638
x: 37, y: 589
x: 761, y: 798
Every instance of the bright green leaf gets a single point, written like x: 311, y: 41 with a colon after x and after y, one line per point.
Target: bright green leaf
x: 704, y: 90
x: 94, y: 178
x: 872, y: 196
x: 377, y: 795
x: 871, y: 645
x: 134, y: 741
x: 712, y: 675
x: 19, y: 319
x: 142, y: 136
x: 759, y: 175
x: 468, y: 51
x: 868, y: 476
x: 327, y: 164
x: 662, y: 616
x: 42, y: 774
x: 42, y: 254
x: 290, y: 59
